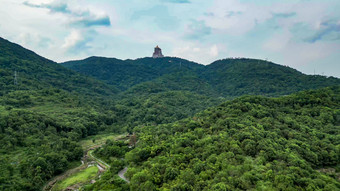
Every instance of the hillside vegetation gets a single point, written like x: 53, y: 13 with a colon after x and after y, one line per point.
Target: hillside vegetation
x: 39, y: 134
x: 35, y: 73
x: 250, y: 143
x: 236, y: 77
x: 226, y: 78
x: 125, y: 74
x: 49, y: 109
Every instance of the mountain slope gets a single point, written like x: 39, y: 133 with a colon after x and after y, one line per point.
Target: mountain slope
x: 234, y: 77
x: 227, y: 78
x: 43, y: 117
x: 250, y: 143
x: 179, y: 81
x: 125, y: 74
x: 51, y: 108
x: 36, y: 72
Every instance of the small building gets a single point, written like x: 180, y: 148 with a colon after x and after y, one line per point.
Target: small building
x: 157, y: 53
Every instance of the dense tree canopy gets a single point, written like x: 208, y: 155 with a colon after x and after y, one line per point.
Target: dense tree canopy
x: 35, y: 72
x: 249, y: 143
x: 227, y: 78
x: 39, y: 134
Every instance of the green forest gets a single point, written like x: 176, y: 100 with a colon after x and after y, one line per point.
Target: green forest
x: 250, y: 143
x: 223, y: 78
x: 236, y: 124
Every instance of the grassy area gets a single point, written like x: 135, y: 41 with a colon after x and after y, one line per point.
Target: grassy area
x: 78, y: 178
x: 99, y: 139
x: 74, y: 164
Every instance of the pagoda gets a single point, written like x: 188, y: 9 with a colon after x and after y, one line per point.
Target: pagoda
x: 157, y: 53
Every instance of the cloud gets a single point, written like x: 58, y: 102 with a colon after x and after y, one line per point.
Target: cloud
x: 83, y: 18
x: 74, y: 38
x: 296, y: 33
x: 197, y: 30
x: 27, y: 38
x: 198, y: 52
x: 284, y: 15
x: 56, y: 7
x: 233, y: 13
x: 233, y: 17
x: 278, y: 42
x: 177, y: 1
x: 214, y: 51
x: 87, y: 22
x: 158, y: 15
x: 327, y: 30
x: 78, y: 41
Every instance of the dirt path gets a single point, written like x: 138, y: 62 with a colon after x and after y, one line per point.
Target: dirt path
x: 54, y: 180
x: 121, y: 174
x: 87, y: 155
x: 101, y: 163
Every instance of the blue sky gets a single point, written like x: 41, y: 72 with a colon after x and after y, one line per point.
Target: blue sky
x: 303, y: 34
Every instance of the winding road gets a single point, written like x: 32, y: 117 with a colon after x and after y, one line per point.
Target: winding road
x: 121, y: 174
x: 100, y: 162
x: 102, y: 166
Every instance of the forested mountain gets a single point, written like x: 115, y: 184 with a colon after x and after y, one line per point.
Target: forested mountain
x: 250, y: 143
x: 44, y: 112
x: 227, y: 78
x: 40, y: 130
x: 39, y: 134
x: 125, y: 74
x: 35, y: 72
x: 50, y: 109
x: 236, y: 77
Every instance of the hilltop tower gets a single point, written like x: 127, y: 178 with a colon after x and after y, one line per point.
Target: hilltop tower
x: 157, y: 53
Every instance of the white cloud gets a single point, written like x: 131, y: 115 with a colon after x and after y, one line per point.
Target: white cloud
x: 81, y: 16
x: 72, y: 39
x: 300, y: 54
x: 73, y: 29
x: 196, y: 49
x: 234, y: 17
x: 277, y: 42
x: 197, y: 52
x: 214, y: 51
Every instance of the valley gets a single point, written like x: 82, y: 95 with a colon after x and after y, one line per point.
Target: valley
x: 235, y: 124
x: 90, y: 169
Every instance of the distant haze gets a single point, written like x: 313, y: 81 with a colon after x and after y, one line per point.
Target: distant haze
x: 303, y: 34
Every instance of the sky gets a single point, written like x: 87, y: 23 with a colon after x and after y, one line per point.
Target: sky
x: 302, y: 34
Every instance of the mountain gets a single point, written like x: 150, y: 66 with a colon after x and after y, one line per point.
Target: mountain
x: 249, y: 143
x: 43, y: 115
x: 234, y: 77
x: 125, y: 74
x: 159, y: 108
x: 36, y: 72
x: 227, y: 78
x: 51, y: 108
x: 40, y: 132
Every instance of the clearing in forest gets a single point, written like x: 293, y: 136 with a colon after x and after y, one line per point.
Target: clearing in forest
x: 79, y: 178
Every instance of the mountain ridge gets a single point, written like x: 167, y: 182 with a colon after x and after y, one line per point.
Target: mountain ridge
x: 37, y: 72
x: 51, y: 108
x: 249, y: 143
x: 226, y: 77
